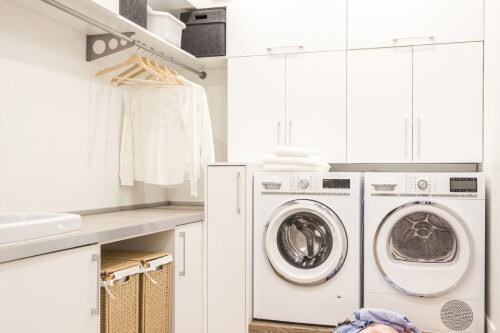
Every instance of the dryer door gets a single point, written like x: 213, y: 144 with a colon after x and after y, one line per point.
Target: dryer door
x: 423, y: 249
x: 305, y: 242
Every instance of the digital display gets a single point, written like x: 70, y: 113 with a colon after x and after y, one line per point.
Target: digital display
x: 336, y: 183
x: 463, y: 184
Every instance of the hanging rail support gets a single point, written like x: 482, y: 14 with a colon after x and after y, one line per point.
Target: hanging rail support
x: 108, y: 40
x: 119, y: 36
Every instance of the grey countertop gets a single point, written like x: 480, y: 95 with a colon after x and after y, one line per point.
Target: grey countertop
x: 107, y: 227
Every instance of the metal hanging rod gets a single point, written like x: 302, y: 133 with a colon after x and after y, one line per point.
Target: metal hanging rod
x: 117, y: 34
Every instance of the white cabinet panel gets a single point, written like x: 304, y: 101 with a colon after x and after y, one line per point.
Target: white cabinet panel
x: 378, y: 23
x: 256, y: 106
x: 226, y: 249
x: 379, y: 105
x: 189, y: 278
x: 316, y: 102
x: 51, y: 293
x: 259, y: 27
x: 448, y: 103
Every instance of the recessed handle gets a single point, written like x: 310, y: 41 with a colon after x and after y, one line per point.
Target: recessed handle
x: 238, y: 179
x: 96, y: 311
x: 395, y: 40
x: 284, y: 47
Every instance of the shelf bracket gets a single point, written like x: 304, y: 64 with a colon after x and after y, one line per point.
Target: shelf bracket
x: 106, y: 44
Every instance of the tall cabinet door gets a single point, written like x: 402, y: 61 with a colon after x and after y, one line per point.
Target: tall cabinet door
x: 226, y: 249
x: 385, y: 23
x: 448, y: 103
x: 256, y: 106
x: 188, y: 284
x: 57, y: 292
x: 379, y: 105
x: 316, y: 102
x: 260, y: 27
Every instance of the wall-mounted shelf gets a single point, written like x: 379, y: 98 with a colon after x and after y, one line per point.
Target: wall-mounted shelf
x: 116, y: 22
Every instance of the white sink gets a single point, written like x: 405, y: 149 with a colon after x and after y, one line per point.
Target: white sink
x: 19, y: 227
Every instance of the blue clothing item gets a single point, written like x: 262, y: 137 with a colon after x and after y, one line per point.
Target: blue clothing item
x: 366, y: 316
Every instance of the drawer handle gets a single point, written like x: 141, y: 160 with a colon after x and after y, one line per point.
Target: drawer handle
x: 284, y: 47
x: 182, y: 235
x: 395, y: 40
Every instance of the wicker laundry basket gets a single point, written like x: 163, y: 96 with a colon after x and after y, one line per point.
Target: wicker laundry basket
x: 120, y: 297
x: 155, y: 297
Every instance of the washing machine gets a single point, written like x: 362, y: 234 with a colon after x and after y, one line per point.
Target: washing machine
x: 424, y: 252
x: 307, y: 246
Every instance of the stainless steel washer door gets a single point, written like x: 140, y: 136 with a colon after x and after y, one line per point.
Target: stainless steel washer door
x: 305, y: 242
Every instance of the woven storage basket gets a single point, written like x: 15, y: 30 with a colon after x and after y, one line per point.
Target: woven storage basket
x: 155, y: 299
x: 121, y: 314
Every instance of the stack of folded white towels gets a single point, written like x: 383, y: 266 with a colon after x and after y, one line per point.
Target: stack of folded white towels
x: 291, y: 159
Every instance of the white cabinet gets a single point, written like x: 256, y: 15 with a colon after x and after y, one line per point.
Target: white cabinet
x: 260, y: 27
x: 57, y: 292
x: 112, y: 5
x: 434, y: 92
x: 382, y: 23
x: 448, y: 103
x: 256, y: 106
x: 379, y: 105
x: 188, y: 281
x: 228, y: 239
x: 316, y: 103
x: 292, y: 99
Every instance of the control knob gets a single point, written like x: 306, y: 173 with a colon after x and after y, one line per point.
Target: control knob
x: 304, y: 183
x: 422, y: 184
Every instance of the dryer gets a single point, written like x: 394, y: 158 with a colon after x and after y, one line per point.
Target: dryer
x: 425, y: 248
x: 307, y: 246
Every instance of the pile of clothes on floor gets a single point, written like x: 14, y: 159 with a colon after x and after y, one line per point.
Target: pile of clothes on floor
x: 377, y: 321
x: 294, y: 159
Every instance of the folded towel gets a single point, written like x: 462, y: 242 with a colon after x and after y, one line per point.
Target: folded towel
x: 295, y: 168
x: 294, y: 151
x: 311, y: 161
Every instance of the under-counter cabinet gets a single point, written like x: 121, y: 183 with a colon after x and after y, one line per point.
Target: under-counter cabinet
x: 229, y: 249
x: 188, y: 306
x: 384, y: 23
x: 56, y: 293
x: 261, y: 27
x: 419, y: 104
x: 292, y: 99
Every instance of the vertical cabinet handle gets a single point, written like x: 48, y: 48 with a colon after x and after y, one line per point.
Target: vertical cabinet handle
x: 238, y: 178
x: 418, y: 137
x: 96, y: 311
x: 279, y: 132
x: 182, y: 235
x: 290, y: 133
x: 406, y: 137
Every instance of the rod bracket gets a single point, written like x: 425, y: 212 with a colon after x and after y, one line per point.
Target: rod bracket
x: 106, y: 44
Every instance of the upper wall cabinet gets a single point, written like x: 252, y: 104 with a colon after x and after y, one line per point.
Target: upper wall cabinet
x: 261, y: 27
x: 383, y: 23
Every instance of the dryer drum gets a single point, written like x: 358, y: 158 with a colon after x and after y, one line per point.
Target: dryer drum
x: 423, y: 237
x: 304, y: 240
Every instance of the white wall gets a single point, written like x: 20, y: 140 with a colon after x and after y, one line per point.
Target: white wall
x: 59, y: 139
x: 491, y: 164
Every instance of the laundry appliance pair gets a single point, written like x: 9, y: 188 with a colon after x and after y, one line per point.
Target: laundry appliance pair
x: 326, y: 244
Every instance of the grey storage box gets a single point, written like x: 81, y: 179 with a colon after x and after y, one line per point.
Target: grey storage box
x: 136, y: 11
x: 205, y: 34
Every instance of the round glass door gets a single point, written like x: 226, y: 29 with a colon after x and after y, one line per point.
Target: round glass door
x: 422, y: 249
x: 305, y: 242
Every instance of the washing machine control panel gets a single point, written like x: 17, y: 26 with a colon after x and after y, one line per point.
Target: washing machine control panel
x: 422, y: 184
x: 321, y: 184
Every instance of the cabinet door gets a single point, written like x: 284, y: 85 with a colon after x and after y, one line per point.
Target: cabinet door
x: 57, y: 292
x: 379, y: 105
x: 226, y: 249
x: 261, y: 27
x: 189, y: 278
x: 448, y: 103
x: 256, y: 107
x: 316, y: 102
x: 376, y: 23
